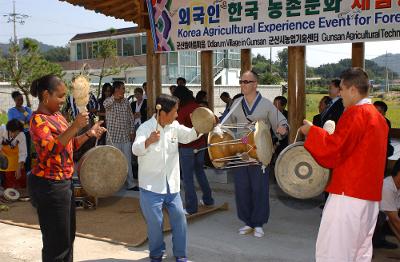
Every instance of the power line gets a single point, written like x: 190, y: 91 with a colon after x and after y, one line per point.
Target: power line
x: 16, y: 18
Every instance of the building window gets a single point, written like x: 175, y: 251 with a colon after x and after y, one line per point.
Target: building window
x: 95, y: 51
x: 119, y: 47
x: 84, y: 51
x: 128, y: 46
x: 173, y: 58
x: 144, y: 44
x: 79, y: 51
x: 138, y: 45
x: 89, y: 50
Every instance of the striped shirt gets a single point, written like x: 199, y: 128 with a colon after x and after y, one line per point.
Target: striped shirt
x: 74, y: 111
x: 54, y: 159
x: 120, y: 120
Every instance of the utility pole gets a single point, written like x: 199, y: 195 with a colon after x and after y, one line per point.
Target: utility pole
x: 15, y: 18
x: 387, y: 74
x: 270, y: 60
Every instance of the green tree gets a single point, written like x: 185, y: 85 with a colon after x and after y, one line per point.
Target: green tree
x: 107, y: 52
x: 262, y: 67
x: 58, y: 54
x: 23, y: 65
x: 282, y: 63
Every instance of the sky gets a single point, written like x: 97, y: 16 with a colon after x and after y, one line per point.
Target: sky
x: 54, y: 22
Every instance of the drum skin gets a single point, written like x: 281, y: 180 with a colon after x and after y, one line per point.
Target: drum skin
x: 102, y: 171
x: 262, y: 140
x: 203, y: 120
x: 298, y: 174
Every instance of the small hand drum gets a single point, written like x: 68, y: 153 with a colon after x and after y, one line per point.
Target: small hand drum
x: 102, y: 171
x: 203, y: 120
x: 298, y: 174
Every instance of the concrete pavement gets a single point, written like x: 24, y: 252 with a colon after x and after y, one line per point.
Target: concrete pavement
x: 289, y: 236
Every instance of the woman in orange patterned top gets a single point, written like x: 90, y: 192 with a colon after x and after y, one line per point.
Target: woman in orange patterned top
x: 50, y: 184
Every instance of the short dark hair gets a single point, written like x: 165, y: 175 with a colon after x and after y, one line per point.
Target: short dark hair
x: 253, y: 72
x: 382, y: 105
x: 144, y: 85
x: 167, y: 102
x: 14, y: 125
x: 15, y: 94
x: 181, y: 79
x: 326, y: 100
x: 201, y: 96
x: 356, y: 77
x: 184, y: 95
x: 237, y: 96
x: 225, y: 94
x: 282, y: 100
x: 47, y: 82
x: 396, y: 168
x: 336, y: 83
x: 117, y: 85
x: 138, y: 90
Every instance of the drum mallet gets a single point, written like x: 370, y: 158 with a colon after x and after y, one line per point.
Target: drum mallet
x: 158, y: 108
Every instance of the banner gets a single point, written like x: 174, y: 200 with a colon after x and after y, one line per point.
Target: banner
x: 216, y: 24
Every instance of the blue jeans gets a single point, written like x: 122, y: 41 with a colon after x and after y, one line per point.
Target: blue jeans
x: 126, y: 149
x: 152, y: 205
x: 192, y: 163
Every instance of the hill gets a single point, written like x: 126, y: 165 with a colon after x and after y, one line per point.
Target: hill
x: 392, y: 60
x: 43, y: 47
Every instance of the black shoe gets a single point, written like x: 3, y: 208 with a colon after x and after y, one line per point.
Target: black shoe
x: 135, y: 188
x: 386, y: 244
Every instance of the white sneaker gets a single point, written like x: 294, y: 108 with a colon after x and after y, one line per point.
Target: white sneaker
x: 258, y: 232
x: 245, y: 230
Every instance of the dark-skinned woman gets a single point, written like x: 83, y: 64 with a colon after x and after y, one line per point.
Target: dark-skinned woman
x: 50, y: 183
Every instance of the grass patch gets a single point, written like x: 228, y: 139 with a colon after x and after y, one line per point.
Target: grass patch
x: 393, y: 113
x: 3, y: 119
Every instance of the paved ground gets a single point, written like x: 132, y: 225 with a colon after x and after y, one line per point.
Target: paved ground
x: 290, y: 236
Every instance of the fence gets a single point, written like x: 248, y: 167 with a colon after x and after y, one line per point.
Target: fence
x: 267, y: 91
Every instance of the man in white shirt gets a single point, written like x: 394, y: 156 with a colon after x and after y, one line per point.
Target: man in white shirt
x: 156, y: 146
x: 389, y: 210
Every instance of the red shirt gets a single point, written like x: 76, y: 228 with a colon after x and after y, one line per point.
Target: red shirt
x: 54, y: 159
x: 356, y: 152
x: 184, y: 119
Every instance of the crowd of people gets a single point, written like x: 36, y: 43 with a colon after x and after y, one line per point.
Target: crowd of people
x: 163, y: 150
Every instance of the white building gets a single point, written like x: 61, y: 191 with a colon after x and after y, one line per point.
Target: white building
x: 131, y: 50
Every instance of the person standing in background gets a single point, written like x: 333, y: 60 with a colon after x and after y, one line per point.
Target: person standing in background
x: 13, y: 147
x: 22, y: 114
x: 120, y: 126
x: 335, y: 108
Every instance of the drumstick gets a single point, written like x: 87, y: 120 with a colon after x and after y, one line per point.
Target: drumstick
x: 158, y: 108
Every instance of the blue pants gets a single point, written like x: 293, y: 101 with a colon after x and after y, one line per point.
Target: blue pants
x: 126, y: 149
x: 193, y: 164
x: 152, y: 205
x: 252, y: 195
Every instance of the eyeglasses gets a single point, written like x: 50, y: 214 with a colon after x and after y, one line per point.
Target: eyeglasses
x: 245, y: 82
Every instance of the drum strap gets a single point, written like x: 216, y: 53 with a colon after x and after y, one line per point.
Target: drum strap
x: 248, y: 111
x: 231, y: 110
